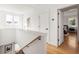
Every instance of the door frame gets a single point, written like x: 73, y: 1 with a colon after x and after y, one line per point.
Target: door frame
x: 58, y: 26
x: 64, y: 9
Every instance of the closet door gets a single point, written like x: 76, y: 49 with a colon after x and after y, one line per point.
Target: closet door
x: 44, y: 24
x: 34, y: 23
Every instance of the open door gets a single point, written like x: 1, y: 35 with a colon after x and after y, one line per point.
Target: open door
x: 44, y: 24
x: 72, y: 17
x: 60, y: 28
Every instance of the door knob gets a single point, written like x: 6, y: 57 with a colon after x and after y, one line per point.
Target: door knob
x: 46, y: 29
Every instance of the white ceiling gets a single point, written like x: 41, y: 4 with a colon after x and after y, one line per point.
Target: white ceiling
x: 72, y: 12
x: 24, y: 8
x: 47, y: 6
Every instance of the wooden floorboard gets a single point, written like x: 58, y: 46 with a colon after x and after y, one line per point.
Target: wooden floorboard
x: 70, y: 46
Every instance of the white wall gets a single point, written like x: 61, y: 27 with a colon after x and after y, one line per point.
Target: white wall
x: 34, y: 13
x: 65, y: 20
x: 53, y: 24
x: 4, y: 24
x: 53, y: 27
x: 24, y: 11
x: 38, y: 47
x: 52, y: 13
x: 7, y: 36
x: 33, y: 23
x: 24, y: 37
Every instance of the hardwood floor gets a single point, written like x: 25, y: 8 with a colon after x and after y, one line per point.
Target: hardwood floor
x: 70, y: 46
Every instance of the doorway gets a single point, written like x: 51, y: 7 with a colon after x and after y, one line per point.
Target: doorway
x: 68, y: 28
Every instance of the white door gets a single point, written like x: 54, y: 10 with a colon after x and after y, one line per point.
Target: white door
x: 44, y: 24
x: 34, y: 23
x: 60, y: 28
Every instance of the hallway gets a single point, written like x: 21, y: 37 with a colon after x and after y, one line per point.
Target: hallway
x: 70, y: 46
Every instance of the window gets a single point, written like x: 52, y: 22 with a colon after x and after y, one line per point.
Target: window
x: 9, y: 18
x: 72, y: 21
x: 12, y: 19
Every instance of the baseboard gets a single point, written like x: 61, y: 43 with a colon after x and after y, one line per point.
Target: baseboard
x: 52, y: 44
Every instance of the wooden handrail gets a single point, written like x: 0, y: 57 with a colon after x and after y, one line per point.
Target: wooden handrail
x: 38, y: 38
